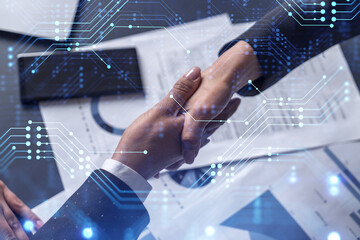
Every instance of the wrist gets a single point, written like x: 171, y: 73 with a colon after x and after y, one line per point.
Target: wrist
x: 135, y: 161
x: 239, y: 65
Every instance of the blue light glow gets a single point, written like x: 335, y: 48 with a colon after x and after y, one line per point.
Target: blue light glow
x: 209, y: 231
x: 293, y: 179
x: 334, y: 236
x: 334, y: 191
x: 28, y: 226
x: 87, y: 233
x: 334, y: 180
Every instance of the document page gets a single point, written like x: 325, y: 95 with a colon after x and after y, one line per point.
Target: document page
x: 314, y: 105
x: 85, y: 132
x: 305, y: 195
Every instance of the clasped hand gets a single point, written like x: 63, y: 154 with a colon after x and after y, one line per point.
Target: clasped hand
x: 157, y: 132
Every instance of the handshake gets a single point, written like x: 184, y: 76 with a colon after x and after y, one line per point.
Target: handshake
x: 169, y: 134
x: 173, y: 131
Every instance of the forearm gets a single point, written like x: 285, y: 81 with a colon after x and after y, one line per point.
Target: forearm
x: 282, y: 42
x: 104, y: 204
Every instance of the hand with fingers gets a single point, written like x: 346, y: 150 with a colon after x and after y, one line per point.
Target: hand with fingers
x: 157, y: 133
x: 220, y: 81
x: 10, y: 206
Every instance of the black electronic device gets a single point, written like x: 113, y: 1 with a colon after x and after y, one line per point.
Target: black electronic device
x: 67, y: 74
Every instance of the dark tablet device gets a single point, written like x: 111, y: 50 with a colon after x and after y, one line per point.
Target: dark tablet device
x: 67, y: 74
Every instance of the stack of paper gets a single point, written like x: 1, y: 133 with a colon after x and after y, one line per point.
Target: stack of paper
x: 315, y: 105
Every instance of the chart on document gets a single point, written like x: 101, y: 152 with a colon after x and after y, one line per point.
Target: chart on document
x: 306, y: 193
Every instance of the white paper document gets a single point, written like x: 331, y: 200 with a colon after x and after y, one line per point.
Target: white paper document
x: 299, y: 196
x: 80, y: 144
x: 315, y: 105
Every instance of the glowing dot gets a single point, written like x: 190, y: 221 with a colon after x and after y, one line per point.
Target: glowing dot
x: 27, y: 136
x: 293, y: 179
x: 334, y: 236
x: 57, y: 23
x: 171, y: 96
x: 322, y: 4
x: 301, y: 116
x: 28, y: 226
x: 333, y: 19
x: 38, y: 128
x: 213, y: 165
x: 145, y: 152
x: 81, y: 152
x: 87, y: 233
x: 249, y: 81
x: 14, y: 147
x: 108, y: 66
x: 33, y: 71
x: 57, y: 38
x: 301, y: 109
x: 290, y: 14
x: 27, y: 143
x: 38, y: 143
x: 331, y: 25
x: 188, y: 51
x: 246, y: 123
x: 57, y: 30
x: 209, y: 231
x: 334, y: 191
x: 219, y: 165
x: 112, y: 24
x: 322, y: 19
x: 333, y: 4
x: 333, y: 11
x: 219, y: 158
x: 322, y: 11
x: 301, y: 124
x: 264, y: 101
x: 334, y: 179
x: 130, y: 26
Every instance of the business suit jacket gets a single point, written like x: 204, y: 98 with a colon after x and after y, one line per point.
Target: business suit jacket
x: 104, y: 205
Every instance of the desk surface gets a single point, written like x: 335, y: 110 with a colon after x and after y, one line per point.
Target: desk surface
x: 22, y: 174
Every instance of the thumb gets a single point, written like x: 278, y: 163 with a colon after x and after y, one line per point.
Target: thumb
x: 183, y: 89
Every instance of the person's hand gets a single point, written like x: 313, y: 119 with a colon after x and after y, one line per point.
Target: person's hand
x: 226, y: 76
x: 157, y: 133
x: 10, y: 204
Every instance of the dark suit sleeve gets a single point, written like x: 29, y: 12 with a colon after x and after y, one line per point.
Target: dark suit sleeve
x: 105, y: 206
x: 284, y: 39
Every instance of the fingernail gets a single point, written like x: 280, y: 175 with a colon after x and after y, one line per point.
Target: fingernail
x: 193, y: 74
x: 189, y: 156
x: 39, y: 224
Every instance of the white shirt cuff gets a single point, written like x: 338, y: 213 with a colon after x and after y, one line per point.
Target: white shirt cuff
x: 134, y: 180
